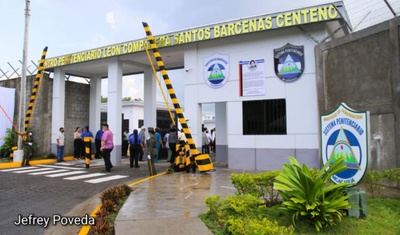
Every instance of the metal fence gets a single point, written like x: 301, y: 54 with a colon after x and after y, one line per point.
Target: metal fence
x: 9, y: 70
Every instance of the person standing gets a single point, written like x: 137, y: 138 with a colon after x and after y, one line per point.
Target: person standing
x: 87, y: 137
x: 209, y: 138
x: 142, y: 135
x: 77, y: 143
x: 159, y: 143
x: 166, y: 144
x: 97, y: 142
x: 27, y: 147
x: 214, y: 138
x: 136, y: 146
x: 182, y: 137
x: 125, y: 138
x: 172, y: 141
x: 60, y: 145
x: 151, y: 151
x: 107, y: 145
x: 204, y: 141
x: 82, y: 143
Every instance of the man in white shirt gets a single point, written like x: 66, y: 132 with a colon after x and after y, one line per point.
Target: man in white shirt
x: 60, y: 145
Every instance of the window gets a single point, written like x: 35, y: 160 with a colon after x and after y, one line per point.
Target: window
x: 264, y: 117
x: 140, y: 123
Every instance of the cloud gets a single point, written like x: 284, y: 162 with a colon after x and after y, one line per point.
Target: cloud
x: 110, y: 19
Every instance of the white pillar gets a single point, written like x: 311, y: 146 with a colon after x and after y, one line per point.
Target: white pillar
x: 193, y: 114
x: 221, y: 128
x: 150, y: 99
x: 114, y: 108
x: 95, y: 104
x: 58, y: 110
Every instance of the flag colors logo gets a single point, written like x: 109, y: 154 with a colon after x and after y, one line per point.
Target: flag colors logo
x: 344, y: 133
x: 216, y: 70
x: 289, y: 62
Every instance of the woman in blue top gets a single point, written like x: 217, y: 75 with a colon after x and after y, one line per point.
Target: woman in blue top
x: 136, y: 146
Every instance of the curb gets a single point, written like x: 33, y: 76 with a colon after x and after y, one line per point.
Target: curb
x: 86, y: 228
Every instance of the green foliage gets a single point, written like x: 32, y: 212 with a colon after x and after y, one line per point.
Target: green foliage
x: 256, y: 226
x: 240, y: 215
x: 105, y: 99
x: 372, y: 182
x: 258, y: 185
x: 10, y: 140
x: 375, y: 181
x: 310, y: 197
x: 127, y: 99
x: 392, y: 176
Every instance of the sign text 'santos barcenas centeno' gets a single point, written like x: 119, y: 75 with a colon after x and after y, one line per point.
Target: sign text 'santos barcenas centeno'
x: 262, y: 23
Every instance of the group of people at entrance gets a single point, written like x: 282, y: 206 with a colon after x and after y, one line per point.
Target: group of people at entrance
x: 208, y: 141
x: 139, y: 146
x: 82, y: 143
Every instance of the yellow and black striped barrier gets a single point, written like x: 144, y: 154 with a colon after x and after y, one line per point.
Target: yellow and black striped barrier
x: 35, y: 89
x: 87, y: 140
x: 202, y: 165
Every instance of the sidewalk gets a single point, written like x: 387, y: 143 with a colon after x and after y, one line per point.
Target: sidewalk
x: 171, y: 204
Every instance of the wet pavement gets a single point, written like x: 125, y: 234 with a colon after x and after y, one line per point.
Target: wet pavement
x: 47, y: 188
x: 165, y: 204
x: 172, y: 203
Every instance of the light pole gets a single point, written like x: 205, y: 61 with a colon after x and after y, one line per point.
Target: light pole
x: 23, y: 78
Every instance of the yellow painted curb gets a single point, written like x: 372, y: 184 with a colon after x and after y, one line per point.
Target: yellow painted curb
x: 33, y: 162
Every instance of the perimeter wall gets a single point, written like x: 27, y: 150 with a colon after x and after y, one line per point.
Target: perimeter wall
x: 362, y: 70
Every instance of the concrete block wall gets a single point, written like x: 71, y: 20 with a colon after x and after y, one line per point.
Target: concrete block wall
x: 362, y: 70
x: 76, y: 114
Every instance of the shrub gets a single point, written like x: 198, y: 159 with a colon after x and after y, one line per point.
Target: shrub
x: 313, y: 197
x: 115, y: 193
x: 257, y: 226
x: 241, y: 215
x: 10, y: 140
x: 372, y: 182
x: 101, y: 227
x: 392, y: 176
x: 111, y: 202
x: 258, y: 185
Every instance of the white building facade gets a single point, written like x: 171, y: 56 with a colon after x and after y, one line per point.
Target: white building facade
x: 259, y: 72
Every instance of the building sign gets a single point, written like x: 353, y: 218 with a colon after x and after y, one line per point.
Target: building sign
x: 345, y: 133
x: 252, y: 77
x: 315, y: 14
x: 216, y: 70
x: 289, y: 62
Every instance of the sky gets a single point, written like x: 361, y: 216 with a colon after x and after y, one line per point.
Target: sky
x: 68, y: 26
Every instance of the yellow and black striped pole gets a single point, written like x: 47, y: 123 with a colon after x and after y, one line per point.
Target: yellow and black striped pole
x: 87, y: 142
x: 35, y: 90
x: 205, y: 165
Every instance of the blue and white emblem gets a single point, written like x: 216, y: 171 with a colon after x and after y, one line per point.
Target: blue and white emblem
x: 216, y: 70
x: 289, y: 62
x: 345, y: 133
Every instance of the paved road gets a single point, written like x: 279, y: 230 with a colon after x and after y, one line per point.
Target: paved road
x: 48, y: 190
